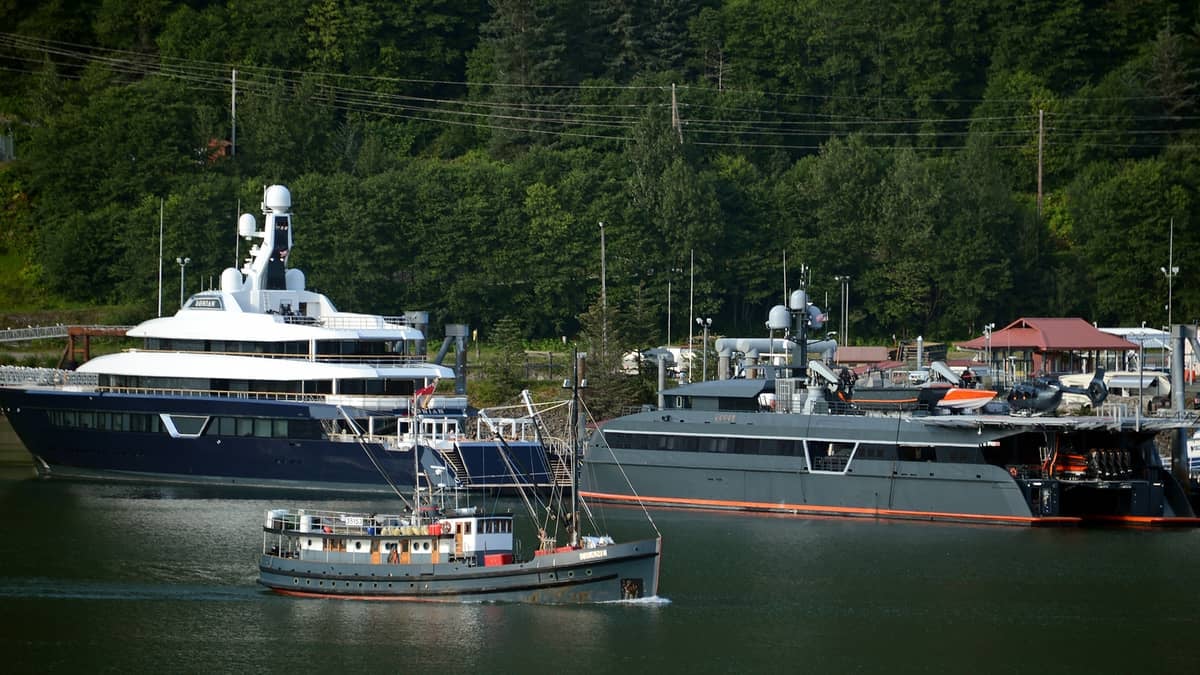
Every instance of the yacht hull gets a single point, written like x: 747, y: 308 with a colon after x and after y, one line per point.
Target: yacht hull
x: 953, y: 468
x: 112, y: 437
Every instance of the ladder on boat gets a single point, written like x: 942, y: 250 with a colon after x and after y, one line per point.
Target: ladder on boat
x: 454, y: 459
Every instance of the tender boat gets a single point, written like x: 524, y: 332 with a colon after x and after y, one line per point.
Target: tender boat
x: 439, y: 552
x: 799, y: 440
x: 264, y: 383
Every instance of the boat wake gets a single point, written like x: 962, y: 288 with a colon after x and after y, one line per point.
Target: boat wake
x: 652, y: 601
x: 58, y: 589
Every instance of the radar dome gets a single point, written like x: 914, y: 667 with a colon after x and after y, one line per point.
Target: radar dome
x: 779, y: 318
x: 278, y: 199
x: 247, y: 225
x: 798, y: 300
x: 294, y: 279
x: 231, y: 280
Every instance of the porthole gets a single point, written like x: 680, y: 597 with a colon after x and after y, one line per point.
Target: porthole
x: 571, y: 573
x: 295, y: 581
x: 589, y: 573
x: 358, y: 545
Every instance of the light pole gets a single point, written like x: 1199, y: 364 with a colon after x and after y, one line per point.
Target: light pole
x: 987, y: 334
x: 704, y: 323
x: 1170, y: 270
x: 603, y: 294
x: 183, y: 262
x: 844, y: 280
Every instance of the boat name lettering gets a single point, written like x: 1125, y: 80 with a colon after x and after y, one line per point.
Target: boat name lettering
x: 354, y: 521
x: 725, y: 418
x: 591, y: 555
x: 205, y: 303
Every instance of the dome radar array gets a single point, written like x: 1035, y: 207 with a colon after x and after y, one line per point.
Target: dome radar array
x: 266, y: 266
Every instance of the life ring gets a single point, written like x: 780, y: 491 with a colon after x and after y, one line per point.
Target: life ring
x: 1013, y: 470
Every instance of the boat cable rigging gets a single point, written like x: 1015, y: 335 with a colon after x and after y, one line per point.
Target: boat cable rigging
x: 621, y: 468
x: 362, y: 443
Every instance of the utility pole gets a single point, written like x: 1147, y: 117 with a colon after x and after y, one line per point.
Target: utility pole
x: 233, y: 116
x: 691, y: 310
x: 675, y: 123
x: 603, y: 293
x: 160, y: 251
x: 1041, y: 142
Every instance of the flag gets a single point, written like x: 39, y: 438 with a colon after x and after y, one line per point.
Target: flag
x: 427, y: 391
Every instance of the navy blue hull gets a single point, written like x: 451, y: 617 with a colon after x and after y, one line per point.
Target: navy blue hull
x: 485, y: 465
x: 306, y: 460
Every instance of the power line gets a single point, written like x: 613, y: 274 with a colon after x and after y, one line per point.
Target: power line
x: 578, y: 119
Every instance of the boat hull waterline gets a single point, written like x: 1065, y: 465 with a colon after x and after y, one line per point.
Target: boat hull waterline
x: 969, y: 469
x: 308, y: 460
x: 574, y: 576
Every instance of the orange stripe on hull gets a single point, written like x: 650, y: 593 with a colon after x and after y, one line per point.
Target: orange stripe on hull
x: 1147, y: 520
x: 847, y: 511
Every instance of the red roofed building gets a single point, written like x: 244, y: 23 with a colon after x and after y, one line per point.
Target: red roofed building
x: 1029, y: 346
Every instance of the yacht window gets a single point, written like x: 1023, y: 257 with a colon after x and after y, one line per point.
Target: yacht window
x: 909, y: 453
x: 279, y: 428
x: 188, y: 425
x: 262, y: 428
x: 245, y: 426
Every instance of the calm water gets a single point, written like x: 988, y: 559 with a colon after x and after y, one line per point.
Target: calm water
x: 135, y: 578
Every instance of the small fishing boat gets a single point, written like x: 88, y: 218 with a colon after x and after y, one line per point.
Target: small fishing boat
x: 441, y: 552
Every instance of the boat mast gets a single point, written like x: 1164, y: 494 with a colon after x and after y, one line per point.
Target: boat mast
x: 576, y: 421
x: 415, y: 423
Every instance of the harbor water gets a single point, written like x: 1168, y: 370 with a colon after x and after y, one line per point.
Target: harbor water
x: 137, y: 578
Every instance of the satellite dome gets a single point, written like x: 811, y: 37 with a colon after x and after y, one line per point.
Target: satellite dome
x: 278, y: 199
x: 247, y: 225
x: 779, y: 318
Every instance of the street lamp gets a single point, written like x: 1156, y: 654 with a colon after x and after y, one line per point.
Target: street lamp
x: 183, y: 262
x: 844, y: 280
x: 1170, y: 270
x: 987, y: 334
x: 704, y: 323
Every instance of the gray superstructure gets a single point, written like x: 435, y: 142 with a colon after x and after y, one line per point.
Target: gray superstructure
x: 792, y: 445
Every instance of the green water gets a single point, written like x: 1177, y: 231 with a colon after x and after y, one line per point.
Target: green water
x: 126, y: 578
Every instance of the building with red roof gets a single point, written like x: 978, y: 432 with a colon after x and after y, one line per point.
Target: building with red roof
x: 1029, y: 346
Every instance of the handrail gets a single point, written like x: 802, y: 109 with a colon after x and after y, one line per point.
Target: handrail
x: 46, y: 377
x: 365, y: 359
x: 56, y: 331
x: 347, y: 322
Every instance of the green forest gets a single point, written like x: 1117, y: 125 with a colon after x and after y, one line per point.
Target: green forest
x: 962, y: 163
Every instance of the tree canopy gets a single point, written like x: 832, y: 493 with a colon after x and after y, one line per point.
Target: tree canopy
x: 962, y: 163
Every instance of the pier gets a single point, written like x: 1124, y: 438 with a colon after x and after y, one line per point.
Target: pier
x: 71, y: 333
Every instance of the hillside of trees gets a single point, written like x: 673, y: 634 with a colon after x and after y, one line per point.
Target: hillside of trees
x: 961, y: 162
